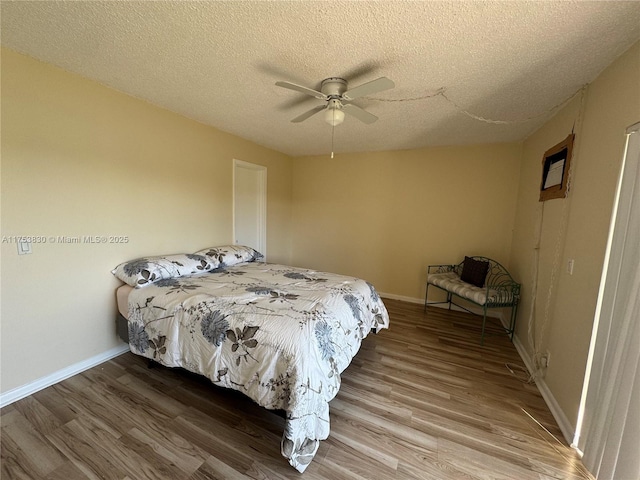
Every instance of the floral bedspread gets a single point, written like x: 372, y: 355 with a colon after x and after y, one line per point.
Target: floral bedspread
x: 279, y: 334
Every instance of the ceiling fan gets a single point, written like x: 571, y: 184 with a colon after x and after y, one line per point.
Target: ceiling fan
x: 334, y: 91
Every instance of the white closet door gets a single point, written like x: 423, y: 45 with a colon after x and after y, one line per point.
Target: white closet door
x: 249, y: 205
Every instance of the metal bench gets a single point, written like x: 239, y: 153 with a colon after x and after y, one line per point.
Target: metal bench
x: 499, y: 290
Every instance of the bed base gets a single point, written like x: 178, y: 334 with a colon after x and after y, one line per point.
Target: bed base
x: 122, y: 328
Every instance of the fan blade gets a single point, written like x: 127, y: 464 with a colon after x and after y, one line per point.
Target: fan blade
x: 297, y: 101
x: 305, y: 115
x: 305, y: 90
x: 369, y: 88
x: 359, y: 113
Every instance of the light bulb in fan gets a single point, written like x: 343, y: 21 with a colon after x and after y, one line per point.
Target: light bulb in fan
x: 333, y: 116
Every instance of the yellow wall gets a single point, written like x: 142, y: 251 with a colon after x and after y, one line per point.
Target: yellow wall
x: 81, y: 159
x: 577, y: 226
x: 386, y: 216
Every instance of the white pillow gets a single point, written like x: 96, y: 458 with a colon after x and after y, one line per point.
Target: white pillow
x: 147, y: 270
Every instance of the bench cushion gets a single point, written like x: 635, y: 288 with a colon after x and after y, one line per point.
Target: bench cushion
x: 451, y: 282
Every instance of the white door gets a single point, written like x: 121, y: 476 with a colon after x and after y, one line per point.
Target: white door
x: 250, y: 205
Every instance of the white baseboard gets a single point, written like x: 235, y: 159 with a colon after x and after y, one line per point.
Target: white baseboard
x: 402, y: 298
x: 565, y: 425
x: 44, y: 382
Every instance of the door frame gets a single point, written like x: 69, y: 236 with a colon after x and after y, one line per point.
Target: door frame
x: 261, y: 172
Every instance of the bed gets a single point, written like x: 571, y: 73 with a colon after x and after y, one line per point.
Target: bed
x: 279, y: 334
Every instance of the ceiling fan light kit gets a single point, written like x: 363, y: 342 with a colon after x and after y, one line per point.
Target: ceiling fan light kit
x: 333, y: 114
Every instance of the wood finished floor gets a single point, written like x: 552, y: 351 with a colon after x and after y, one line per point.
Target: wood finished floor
x: 422, y: 400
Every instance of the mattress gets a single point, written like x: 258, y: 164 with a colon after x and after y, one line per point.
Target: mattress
x: 122, y: 298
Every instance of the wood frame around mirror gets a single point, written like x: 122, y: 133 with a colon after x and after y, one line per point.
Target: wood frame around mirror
x: 562, y: 150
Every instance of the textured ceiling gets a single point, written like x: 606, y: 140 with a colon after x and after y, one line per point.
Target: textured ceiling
x: 217, y: 62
